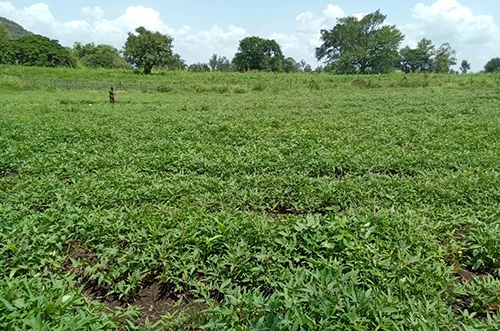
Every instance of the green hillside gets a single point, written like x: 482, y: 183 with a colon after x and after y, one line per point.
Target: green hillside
x: 16, y: 31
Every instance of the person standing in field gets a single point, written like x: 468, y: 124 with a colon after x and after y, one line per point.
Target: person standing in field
x: 112, y: 96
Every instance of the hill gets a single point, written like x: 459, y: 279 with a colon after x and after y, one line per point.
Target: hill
x: 16, y: 30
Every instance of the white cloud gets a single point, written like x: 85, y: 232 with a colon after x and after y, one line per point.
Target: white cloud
x: 310, y: 23
x: 303, y: 42
x: 95, y: 13
x: 94, y: 27
x: 476, y: 37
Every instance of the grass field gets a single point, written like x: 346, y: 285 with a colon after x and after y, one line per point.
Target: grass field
x: 253, y: 202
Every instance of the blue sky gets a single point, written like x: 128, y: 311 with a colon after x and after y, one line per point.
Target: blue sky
x: 201, y: 28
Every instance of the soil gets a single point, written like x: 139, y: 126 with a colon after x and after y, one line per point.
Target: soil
x: 153, y: 299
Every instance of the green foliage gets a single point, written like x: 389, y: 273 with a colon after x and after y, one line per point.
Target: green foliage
x: 304, y: 67
x: 36, y: 50
x: 493, y: 65
x: 4, y: 35
x: 420, y: 59
x: 220, y: 63
x: 445, y: 58
x: 426, y: 58
x: 15, y: 30
x: 255, y: 53
x: 199, y: 67
x: 259, y: 200
x: 175, y: 63
x: 100, y: 56
x: 147, y: 49
x: 290, y: 65
x: 5, y: 45
x: 361, y: 45
x: 28, y: 303
x: 164, y: 88
x: 465, y: 66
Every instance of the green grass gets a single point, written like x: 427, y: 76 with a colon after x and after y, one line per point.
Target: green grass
x: 256, y: 208
x: 172, y: 81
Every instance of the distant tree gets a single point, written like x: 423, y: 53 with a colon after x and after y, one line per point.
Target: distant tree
x: 290, y: 65
x: 408, y: 61
x: 319, y: 69
x: 302, y: 64
x: 465, y: 67
x: 493, y: 65
x: 445, y: 58
x: 100, y: 56
x: 420, y: 59
x: 175, y: 63
x: 219, y: 63
x: 147, y: 49
x: 304, y: 67
x: 81, y: 50
x: 36, y: 50
x: 5, y: 46
x: 213, y: 62
x: 199, y: 67
x: 365, y: 45
x: 255, y: 53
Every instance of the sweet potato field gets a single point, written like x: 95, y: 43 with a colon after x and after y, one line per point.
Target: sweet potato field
x: 251, y: 205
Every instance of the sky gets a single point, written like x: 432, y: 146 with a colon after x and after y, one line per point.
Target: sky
x: 202, y: 28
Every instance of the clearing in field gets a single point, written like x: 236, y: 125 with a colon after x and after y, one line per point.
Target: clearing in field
x: 249, y: 202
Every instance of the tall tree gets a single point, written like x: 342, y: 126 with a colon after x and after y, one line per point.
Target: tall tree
x: 100, y: 56
x: 445, y: 58
x: 465, y: 67
x: 304, y: 67
x: 175, y: 63
x: 219, y: 63
x: 364, y: 45
x: 255, y: 53
x: 36, y: 50
x: 408, y: 60
x: 420, y: 59
x: 147, y: 49
x: 493, y: 65
x: 290, y: 65
x: 199, y: 67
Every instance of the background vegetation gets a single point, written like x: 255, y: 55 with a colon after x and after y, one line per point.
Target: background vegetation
x: 228, y: 195
x: 250, y: 202
x: 366, y: 45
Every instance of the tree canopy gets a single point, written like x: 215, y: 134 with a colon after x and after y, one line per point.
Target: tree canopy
x: 366, y: 45
x: 36, y: 50
x: 493, y: 65
x: 465, y: 66
x: 427, y: 58
x: 445, y: 58
x: 175, y: 63
x: 290, y: 65
x: 219, y: 63
x: 199, y: 67
x: 100, y: 56
x: 354, y: 45
x: 148, y: 49
x: 255, y: 53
